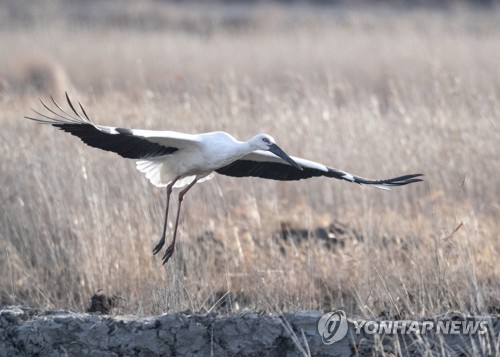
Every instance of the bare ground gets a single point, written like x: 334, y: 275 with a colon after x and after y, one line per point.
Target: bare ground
x: 26, y: 331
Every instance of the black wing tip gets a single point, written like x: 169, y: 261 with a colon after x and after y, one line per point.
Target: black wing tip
x: 404, y: 180
x: 41, y: 121
x: 59, y: 117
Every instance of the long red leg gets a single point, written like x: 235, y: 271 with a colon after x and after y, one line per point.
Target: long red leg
x: 161, y: 242
x: 171, y: 247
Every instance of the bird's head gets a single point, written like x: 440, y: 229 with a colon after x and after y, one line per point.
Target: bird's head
x: 266, y: 143
x: 261, y: 142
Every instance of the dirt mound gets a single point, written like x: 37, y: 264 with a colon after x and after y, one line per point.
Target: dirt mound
x: 27, y: 331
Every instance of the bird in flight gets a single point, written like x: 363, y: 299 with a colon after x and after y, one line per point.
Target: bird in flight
x: 172, y: 159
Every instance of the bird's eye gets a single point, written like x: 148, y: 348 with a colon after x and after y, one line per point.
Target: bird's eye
x: 266, y: 140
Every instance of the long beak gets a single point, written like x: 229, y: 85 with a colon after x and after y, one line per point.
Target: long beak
x: 276, y: 150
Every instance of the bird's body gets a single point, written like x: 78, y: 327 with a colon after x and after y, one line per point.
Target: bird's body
x: 172, y: 159
x: 205, y: 153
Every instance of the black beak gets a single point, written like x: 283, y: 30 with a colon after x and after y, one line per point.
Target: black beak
x: 276, y: 150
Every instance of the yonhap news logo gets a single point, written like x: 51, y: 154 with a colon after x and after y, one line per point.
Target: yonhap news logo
x: 333, y: 327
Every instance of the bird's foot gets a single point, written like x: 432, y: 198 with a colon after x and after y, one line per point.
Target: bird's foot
x: 160, y: 245
x: 168, y: 253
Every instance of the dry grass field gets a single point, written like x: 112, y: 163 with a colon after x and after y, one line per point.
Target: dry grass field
x: 377, y: 92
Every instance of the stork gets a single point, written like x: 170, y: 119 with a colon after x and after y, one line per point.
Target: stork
x: 173, y: 160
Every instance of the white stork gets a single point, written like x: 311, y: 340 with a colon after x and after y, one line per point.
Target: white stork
x: 171, y: 159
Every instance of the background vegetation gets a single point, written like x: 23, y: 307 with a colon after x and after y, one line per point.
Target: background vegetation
x: 375, y: 91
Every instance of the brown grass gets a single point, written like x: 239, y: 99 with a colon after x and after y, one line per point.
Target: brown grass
x: 378, y: 93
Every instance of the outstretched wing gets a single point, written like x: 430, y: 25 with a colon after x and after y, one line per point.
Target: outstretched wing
x: 128, y: 143
x: 266, y: 165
